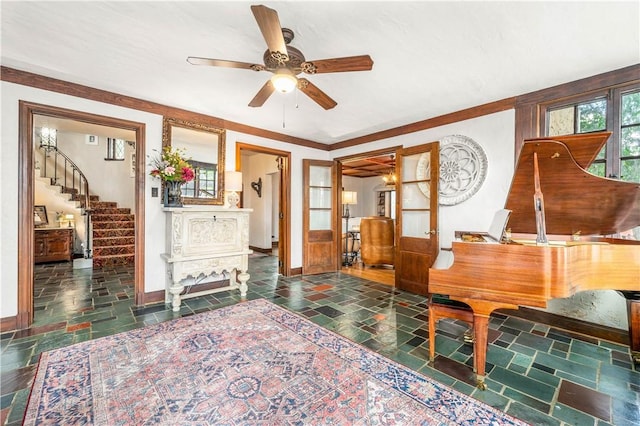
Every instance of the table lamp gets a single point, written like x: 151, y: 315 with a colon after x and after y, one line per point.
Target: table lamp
x: 69, y: 218
x: 233, y: 185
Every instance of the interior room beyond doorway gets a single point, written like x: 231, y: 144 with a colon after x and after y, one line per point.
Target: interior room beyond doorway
x: 372, y: 177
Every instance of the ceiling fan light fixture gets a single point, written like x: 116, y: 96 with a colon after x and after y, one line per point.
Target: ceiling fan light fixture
x: 284, y: 80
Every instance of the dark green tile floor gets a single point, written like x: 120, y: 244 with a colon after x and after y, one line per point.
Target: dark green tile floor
x: 537, y: 373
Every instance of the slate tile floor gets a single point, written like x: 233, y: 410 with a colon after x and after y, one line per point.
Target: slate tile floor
x: 536, y: 373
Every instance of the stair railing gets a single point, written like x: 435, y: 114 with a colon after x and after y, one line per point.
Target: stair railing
x: 72, y: 178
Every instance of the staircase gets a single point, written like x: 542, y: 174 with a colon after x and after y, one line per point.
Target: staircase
x: 113, y: 234
x: 112, y: 229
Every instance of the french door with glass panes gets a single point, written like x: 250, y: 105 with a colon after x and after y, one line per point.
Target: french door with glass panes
x: 321, y: 228
x: 416, y: 215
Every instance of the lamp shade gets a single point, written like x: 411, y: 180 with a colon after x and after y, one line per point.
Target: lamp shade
x: 233, y: 181
x: 284, y: 81
x: 349, y: 197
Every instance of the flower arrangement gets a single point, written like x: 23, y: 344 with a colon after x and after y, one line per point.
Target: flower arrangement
x: 170, y: 166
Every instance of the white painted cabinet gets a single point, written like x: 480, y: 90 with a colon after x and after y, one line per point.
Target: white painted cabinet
x: 203, y: 241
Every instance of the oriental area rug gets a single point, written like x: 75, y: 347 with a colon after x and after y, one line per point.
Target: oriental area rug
x: 253, y: 363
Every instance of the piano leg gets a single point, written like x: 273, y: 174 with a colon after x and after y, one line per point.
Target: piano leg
x: 481, y: 311
x: 633, y: 311
x: 481, y: 331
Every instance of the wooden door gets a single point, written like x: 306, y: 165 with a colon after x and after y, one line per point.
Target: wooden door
x: 320, y: 218
x: 416, y: 215
x: 283, y: 226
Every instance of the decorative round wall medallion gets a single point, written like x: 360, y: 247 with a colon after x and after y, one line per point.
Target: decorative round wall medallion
x: 463, y: 167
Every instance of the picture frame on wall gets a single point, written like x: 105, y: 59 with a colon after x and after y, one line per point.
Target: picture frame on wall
x: 40, y: 216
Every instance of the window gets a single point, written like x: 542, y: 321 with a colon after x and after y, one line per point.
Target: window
x: 616, y: 110
x: 204, y: 184
x: 630, y: 137
x: 115, y: 149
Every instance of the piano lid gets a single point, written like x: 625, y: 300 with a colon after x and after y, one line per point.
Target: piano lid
x: 574, y: 199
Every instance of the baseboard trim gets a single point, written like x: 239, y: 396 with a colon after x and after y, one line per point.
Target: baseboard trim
x: 154, y: 297
x: 158, y: 296
x: 261, y: 250
x: 296, y: 271
x: 8, y: 324
x: 573, y: 325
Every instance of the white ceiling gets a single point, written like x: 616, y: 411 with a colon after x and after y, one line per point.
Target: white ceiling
x: 430, y: 58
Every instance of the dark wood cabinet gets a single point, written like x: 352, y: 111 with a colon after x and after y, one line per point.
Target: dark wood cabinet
x: 53, y: 244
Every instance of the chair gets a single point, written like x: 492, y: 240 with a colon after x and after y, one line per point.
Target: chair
x: 377, y: 241
x: 350, y: 247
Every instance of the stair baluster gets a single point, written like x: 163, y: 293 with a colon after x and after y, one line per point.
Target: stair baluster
x: 79, y: 192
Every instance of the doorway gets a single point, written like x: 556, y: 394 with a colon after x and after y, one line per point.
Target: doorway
x: 372, y: 175
x: 268, y: 172
x: 27, y: 114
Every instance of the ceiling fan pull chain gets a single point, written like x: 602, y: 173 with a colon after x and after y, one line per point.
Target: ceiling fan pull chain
x: 283, y: 104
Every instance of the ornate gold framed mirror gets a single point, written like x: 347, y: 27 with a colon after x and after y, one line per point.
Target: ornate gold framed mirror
x: 204, y: 146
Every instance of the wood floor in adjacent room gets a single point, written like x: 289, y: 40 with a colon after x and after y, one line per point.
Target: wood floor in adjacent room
x: 381, y: 274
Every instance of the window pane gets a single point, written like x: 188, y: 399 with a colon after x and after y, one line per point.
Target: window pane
x: 630, y: 141
x: 319, y: 176
x: 561, y: 121
x: 188, y: 189
x: 320, y: 198
x: 415, y: 224
x: 630, y: 109
x: 592, y: 116
x: 319, y: 220
x: 416, y: 167
x: 631, y: 170
x: 596, y: 169
x: 413, y: 197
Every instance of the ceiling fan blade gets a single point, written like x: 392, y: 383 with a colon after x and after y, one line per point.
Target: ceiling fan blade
x: 270, y: 27
x: 317, y: 95
x: 263, y: 94
x: 223, y: 63
x: 350, y: 63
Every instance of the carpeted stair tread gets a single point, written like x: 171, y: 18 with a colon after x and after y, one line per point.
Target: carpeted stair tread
x: 113, y: 250
x: 113, y: 225
x: 95, y: 205
x: 114, y: 233
x: 113, y: 260
x: 111, y: 217
x: 111, y: 211
x: 114, y: 241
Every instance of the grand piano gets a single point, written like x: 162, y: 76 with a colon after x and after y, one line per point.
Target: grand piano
x: 561, y: 217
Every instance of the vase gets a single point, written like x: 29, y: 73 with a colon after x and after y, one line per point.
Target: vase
x: 172, y: 196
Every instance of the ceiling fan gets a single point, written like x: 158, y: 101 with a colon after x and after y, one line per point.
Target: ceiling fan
x: 286, y: 62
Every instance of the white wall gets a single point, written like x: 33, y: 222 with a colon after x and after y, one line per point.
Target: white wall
x: 154, y: 216
x: 371, y: 187
x: 350, y: 183
x: 298, y: 153
x: 110, y: 180
x: 254, y: 167
x: 495, y: 133
x: 54, y: 201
